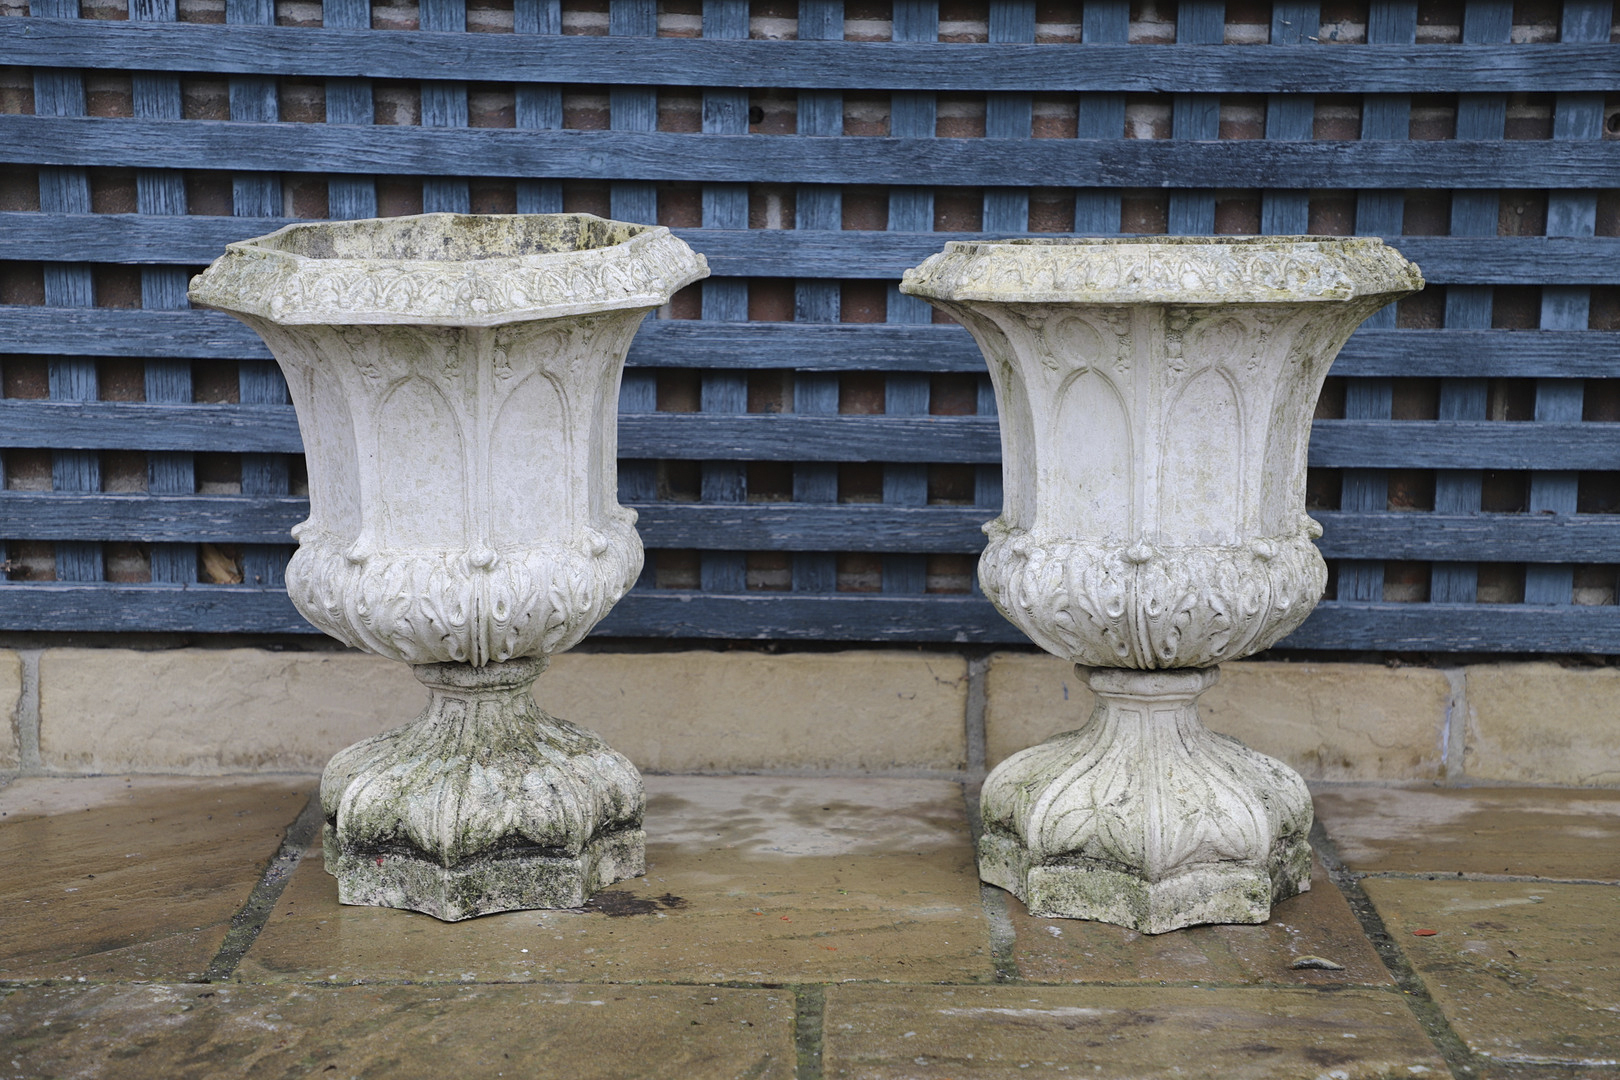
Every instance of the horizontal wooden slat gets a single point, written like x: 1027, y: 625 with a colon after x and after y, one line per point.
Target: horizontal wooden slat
x: 220, y: 609
x: 197, y: 240
x: 691, y: 343
x: 1463, y: 444
x: 255, y: 519
x: 1538, y: 538
x: 1459, y: 628
x: 1369, y: 444
x: 786, y: 159
x: 210, y: 518
x: 828, y: 65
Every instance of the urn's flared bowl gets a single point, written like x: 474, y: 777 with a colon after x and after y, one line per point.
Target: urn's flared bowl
x: 1155, y: 396
x: 456, y: 380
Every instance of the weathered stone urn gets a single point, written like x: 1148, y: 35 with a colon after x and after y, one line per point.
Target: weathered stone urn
x: 1156, y: 399
x: 456, y: 381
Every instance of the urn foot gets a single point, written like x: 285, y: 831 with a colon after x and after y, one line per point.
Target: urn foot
x: 1144, y: 817
x: 483, y: 803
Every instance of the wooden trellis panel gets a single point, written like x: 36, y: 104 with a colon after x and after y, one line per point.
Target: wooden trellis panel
x: 810, y: 452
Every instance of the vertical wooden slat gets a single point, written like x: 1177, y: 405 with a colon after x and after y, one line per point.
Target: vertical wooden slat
x: 1378, y: 213
x: 444, y: 105
x: 633, y: 108
x: 163, y: 191
x: 348, y: 101
x: 1289, y: 116
x: 1566, y: 307
x: 253, y: 99
x: 725, y: 206
x: 60, y: 92
x: 912, y: 114
x: 1196, y: 116
x: 538, y: 106
x: 1480, y: 117
x: 817, y: 206
x: 1009, y: 116
x: 259, y: 382
x: 1102, y: 116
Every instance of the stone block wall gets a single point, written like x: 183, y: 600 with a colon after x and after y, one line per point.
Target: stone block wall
x: 211, y: 711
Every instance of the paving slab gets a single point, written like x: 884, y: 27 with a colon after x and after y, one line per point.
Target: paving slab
x: 132, y: 878
x: 1122, y: 1033
x: 1527, y: 832
x: 1525, y: 971
x: 1314, y: 926
x: 753, y: 879
x: 168, y: 1032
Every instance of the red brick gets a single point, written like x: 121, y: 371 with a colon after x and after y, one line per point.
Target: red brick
x: 958, y: 209
x: 861, y: 393
x: 1332, y: 214
x: 680, y: 206
x: 26, y: 376
x: 493, y: 196
x: 398, y: 197
x: 863, y: 301
x: 1516, y: 307
x: 215, y: 382
x: 587, y: 197
x: 679, y: 390
x: 117, y: 286
x: 860, y: 573
x: 1425, y: 311
x: 866, y: 208
x: 21, y: 283
x: 1237, y: 214
x: 677, y: 569
x: 770, y: 300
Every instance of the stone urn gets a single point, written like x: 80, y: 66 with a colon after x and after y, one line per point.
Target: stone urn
x: 456, y: 380
x: 1155, y: 399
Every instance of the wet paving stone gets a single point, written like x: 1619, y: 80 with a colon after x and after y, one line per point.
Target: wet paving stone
x: 1539, y: 832
x: 178, y: 1032
x: 749, y: 879
x: 1313, y: 930
x: 1525, y: 971
x: 1115, y: 1033
x: 132, y: 878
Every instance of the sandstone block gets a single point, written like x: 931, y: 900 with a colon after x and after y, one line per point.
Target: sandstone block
x: 1543, y: 724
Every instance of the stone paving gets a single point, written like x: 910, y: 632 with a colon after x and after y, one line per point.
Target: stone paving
x: 799, y: 928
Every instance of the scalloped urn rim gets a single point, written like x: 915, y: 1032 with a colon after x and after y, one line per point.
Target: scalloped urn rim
x: 1181, y: 270
x: 313, y: 273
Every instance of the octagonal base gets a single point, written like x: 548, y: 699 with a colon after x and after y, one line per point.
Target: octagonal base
x: 1222, y: 893
x: 508, y: 881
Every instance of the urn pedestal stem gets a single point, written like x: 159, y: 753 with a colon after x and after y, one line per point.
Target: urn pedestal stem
x: 1145, y: 817
x: 1155, y: 398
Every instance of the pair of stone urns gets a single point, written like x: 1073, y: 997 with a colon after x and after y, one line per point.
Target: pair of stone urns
x: 456, y: 380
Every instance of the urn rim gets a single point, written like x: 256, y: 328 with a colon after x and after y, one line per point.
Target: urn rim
x: 1167, y: 270
x: 448, y: 269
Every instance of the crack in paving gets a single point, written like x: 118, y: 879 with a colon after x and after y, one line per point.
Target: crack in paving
x: 809, y: 1016
x: 246, y: 923
x: 1458, y: 1058
x: 1003, y: 937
